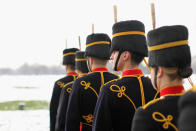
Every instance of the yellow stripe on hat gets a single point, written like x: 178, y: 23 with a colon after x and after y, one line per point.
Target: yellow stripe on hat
x: 81, y: 59
x: 168, y: 45
x: 98, y: 42
x: 70, y: 53
x: 128, y: 33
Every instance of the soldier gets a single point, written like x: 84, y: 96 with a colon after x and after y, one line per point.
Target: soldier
x: 170, y: 59
x: 85, y: 90
x: 119, y: 98
x: 69, y: 62
x: 82, y: 70
x: 187, y: 110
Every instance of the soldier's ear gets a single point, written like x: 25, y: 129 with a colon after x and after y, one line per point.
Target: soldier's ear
x: 160, y: 72
x: 126, y: 55
x: 91, y: 61
x: 66, y: 67
x: 112, y: 55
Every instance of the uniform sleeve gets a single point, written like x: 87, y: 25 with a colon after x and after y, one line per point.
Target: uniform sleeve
x: 142, y: 121
x: 102, y: 115
x: 72, y: 122
x: 187, y: 109
x: 61, y: 112
x: 54, y: 105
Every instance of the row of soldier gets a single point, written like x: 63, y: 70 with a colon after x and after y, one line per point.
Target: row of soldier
x: 95, y: 99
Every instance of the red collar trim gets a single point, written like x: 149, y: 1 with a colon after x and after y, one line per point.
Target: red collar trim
x: 99, y: 69
x: 132, y: 72
x: 72, y: 73
x: 172, y: 90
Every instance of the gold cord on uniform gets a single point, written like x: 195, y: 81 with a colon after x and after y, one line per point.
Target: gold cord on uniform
x: 68, y: 90
x: 88, y: 86
x: 121, y: 91
x: 88, y: 118
x: 159, y: 117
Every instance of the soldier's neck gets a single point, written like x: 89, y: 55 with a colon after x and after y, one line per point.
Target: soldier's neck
x: 69, y: 70
x: 128, y: 66
x: 166, y: 82
x: 97, y: 66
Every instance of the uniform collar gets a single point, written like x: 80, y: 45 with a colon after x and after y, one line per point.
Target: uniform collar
x: 172, y: 90
x: 100, y: 69
x: 131, y: 72
x: 72, y: 73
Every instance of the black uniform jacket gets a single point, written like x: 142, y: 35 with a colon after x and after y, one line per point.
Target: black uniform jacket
x: 59, y: 84
x: 160, y: 114
x: 187, y: 110
x: 63, y: 103
x: 83, y: 98
x: 119, y: 99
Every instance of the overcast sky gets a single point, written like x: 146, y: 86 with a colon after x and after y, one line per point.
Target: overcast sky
x: 34, y: 31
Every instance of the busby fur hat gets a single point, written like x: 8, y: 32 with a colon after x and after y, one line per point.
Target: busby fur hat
x: 81, y: 62
x: 168, y: 47
x: 69, y: 56
x: 98, y: 46
x: 129, y: 36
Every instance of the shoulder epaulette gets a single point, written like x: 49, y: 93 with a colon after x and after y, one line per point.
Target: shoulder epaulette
x: 111, y: 81
x: 151, y: 102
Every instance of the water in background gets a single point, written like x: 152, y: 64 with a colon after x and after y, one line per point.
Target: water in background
x: 30, y: 87
x: 26, y: 87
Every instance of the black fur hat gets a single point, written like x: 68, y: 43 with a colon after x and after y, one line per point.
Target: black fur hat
x: 81, y: 62
x: 98, y: 45
x: 69, y: 56
x: 129, y: 36
x: 168, y: 47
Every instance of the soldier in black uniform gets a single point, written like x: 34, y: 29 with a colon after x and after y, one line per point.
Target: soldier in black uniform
x: 119, y: 98
x: 82, y: 70
x: 170, y: 59
x: 69, y: 62
x: 187, y: 110
x: 85, y: 90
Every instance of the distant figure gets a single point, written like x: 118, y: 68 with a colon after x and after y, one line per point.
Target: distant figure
x: 69, y: 62
x: 85, y: 90
x: 170, y: 61
x: 119, y: 98
x: 187, y: 110
x: 82, y: 70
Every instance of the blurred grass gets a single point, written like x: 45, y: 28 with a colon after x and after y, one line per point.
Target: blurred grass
x: 28, y: 105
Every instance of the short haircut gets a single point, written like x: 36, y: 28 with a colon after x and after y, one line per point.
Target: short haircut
x: 136, y: 58
x: 82, y: 66
x: 72, y: 67
x: 98, y: 61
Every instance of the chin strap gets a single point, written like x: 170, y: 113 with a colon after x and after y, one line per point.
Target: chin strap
x: 117, y: 60
x: 155, y: 77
